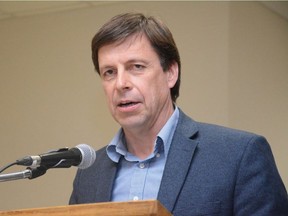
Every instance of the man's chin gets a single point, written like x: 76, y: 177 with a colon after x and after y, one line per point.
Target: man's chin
x: 131, y: 123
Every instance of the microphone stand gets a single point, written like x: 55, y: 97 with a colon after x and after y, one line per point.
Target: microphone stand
x: 30, y: 173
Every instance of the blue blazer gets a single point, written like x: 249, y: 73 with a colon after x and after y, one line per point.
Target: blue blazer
x: 210, y: 170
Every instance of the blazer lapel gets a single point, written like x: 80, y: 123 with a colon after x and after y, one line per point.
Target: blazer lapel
x: 178, y: 162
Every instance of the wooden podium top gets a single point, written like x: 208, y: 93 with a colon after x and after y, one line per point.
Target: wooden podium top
x: 132, y: 208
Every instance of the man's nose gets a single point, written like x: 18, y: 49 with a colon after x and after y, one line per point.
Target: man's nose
x: 123, y: 81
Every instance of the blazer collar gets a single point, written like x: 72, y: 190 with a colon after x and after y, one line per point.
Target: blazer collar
x: 180, y: 155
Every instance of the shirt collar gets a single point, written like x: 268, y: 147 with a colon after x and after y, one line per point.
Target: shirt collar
x: 167, y: 132
x: 117, y: 147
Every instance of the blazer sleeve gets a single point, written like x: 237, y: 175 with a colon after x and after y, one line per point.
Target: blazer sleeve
x: 259, y: 189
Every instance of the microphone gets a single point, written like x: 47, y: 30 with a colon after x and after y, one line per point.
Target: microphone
x: 82, y: 156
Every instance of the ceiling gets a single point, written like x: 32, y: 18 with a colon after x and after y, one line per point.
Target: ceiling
x: 14, y: 9
x: 280, y: 7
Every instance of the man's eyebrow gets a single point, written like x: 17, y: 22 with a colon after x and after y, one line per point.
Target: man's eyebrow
x: 105, y: 66
x: 137, y: 60
x: 130, y: 61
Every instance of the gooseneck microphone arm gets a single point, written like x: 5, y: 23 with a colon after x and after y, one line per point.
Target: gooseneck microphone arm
x: 15, y: 176
x: 29, y: 173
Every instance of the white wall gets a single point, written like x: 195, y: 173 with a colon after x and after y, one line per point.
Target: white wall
x: 258, y: 76
x: 234, y: 58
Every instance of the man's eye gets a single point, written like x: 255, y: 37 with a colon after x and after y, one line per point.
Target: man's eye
x: 138, y: 67
x: 108, y: 74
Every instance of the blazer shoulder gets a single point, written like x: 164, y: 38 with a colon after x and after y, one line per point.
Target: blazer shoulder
x: 188, y: 125
x: 217, y: 136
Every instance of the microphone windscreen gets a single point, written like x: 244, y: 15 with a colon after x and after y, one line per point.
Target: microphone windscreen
x: 88, y: 156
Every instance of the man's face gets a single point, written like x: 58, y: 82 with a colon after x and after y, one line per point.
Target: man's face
x: 136, y: 87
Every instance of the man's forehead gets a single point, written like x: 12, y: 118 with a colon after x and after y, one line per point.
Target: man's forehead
x: 129, y: 40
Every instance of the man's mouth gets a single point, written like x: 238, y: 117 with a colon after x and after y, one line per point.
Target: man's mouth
x: 127, y: 104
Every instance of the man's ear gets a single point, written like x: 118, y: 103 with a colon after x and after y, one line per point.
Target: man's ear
x: 172, y: 74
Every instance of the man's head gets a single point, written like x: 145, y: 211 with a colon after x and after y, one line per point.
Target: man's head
x: 122, y: 26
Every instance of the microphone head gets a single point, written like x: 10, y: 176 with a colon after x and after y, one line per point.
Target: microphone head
x: 88, y: 156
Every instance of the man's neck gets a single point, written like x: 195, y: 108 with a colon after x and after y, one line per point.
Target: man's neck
x: 140, y: 141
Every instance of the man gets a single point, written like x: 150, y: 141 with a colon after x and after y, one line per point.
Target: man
x: 160, y: 153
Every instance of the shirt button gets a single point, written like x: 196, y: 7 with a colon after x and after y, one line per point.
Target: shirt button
x: 142, y: 165
x: 135, y: 198
x: 158, y: 155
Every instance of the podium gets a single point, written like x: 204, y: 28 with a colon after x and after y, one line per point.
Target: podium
x: 131, y: 208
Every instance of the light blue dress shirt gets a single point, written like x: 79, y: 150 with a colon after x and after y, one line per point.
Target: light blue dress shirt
x: 138, y: 179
